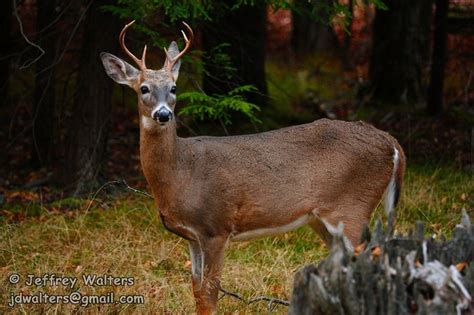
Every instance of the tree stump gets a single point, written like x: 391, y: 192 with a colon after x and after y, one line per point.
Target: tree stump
x: 391, y: 275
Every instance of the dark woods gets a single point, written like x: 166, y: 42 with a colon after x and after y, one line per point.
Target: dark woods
x: 68, y: 113
x: 404, y: 65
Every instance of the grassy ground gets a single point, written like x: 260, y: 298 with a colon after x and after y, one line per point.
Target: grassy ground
x: 122, y: 236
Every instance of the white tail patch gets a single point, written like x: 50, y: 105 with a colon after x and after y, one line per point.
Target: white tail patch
x: 391, y: 188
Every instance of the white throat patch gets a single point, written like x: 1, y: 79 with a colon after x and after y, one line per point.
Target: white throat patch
x: 147, y: 122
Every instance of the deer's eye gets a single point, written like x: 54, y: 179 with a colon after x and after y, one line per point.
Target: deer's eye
x: 145, y: 89
x: 173, y: 89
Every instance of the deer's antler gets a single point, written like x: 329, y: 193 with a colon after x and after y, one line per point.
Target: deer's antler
x: 140, y: 62
x: 172, y: 61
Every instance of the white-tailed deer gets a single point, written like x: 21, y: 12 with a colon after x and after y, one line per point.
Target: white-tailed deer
x: 210, y: 190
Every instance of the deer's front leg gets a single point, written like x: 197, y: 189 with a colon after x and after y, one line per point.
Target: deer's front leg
x: 207, y: 256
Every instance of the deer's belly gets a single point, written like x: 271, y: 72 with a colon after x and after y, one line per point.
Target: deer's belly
x: 269, y: 231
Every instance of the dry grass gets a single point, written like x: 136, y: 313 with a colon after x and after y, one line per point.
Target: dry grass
x: 435, y: 195
x: 124, y: 238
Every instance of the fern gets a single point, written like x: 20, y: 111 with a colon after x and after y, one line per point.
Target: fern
x: 219, y: 107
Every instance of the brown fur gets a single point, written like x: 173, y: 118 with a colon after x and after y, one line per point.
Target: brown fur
x: 228, y: 185
x: 211, y: 189
x: 221, y: 186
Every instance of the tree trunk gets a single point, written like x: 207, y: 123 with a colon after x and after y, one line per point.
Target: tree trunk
x: 435, y: 91
x: 399, y: 49
x: 87, y: 138
x: 244, y: 30
x: 5, y: 45
x: 348, y: 63
x: 313, y: 34
x: 45, y: 103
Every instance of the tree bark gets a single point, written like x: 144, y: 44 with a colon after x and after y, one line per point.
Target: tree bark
x: 6, y: 7
x: 87, y: 137
x: 311, y: 35
x: 435, y: 91
x: 399, y: 49
x: 390, y: 275
x: 244, y: 30
x: 45, y: 102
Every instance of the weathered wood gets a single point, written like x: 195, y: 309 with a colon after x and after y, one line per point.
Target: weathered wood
x: 391, y: 275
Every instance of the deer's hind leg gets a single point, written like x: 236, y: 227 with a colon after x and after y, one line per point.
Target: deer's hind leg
x: 354, y: 218
x: 207, y: 257
x: 327, y: 231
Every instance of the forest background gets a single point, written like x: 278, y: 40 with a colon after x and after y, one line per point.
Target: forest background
x: 70, y: 135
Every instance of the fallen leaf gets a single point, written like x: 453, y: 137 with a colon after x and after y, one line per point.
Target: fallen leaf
x: 359, y: 249
x: 21, y: 196
x: 151, y: 264
x: 461, y: 266
x: 278, y: 289
x: 68, y: 266
x: 436, y: 227
x: 376, y: 251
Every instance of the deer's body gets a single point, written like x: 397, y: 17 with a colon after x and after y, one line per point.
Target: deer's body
x: 210, y: 190
x: 243, y: 184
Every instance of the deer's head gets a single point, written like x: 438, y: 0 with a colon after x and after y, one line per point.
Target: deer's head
x: 156, y: 89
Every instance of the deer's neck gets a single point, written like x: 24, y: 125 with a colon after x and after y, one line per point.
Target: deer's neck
x: 158, y: 156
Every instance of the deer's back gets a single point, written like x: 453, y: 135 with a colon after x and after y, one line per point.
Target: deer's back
x: 278, y: 176
x: 323, y: 142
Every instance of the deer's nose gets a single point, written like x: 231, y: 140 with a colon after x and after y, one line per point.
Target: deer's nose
x: 162, y: 115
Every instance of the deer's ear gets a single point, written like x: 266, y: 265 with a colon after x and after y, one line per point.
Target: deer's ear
x: 173, y: 51
x: 119, y: 70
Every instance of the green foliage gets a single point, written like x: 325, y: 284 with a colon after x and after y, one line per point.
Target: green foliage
x: 306, y: 93
x: 174, y: 10
x: 318, y: 9
x: 207, y: 10
x: 219, y: 107
x: 201, y: 106
x: 217, y: 58
x: 379, y: 4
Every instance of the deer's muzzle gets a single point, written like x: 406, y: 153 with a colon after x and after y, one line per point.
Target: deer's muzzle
x: 162, y: 114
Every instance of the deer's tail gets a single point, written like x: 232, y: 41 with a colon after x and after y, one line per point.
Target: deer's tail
x: 395, y: 185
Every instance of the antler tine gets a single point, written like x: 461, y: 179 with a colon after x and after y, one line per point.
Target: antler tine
x: 140, y: 63
x: 172, y: 61
x: 144, y: 56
